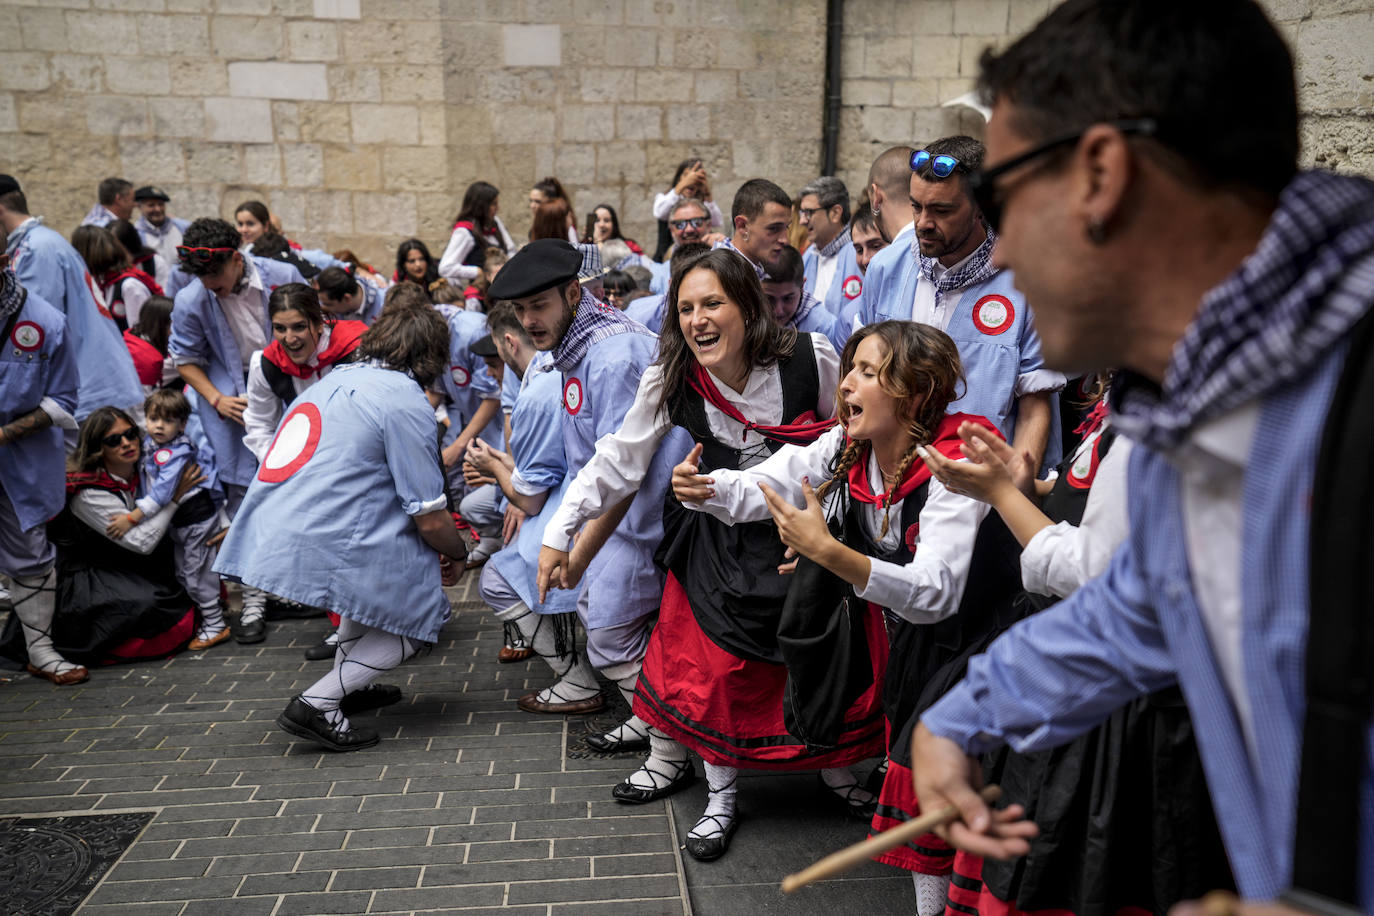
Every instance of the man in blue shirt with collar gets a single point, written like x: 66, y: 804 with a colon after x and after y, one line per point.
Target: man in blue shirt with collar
x: 1143, y: 175
x: 832, y: 273
x: 160, y: 232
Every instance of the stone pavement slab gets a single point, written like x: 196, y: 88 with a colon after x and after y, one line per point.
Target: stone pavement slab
x: 467, y: 805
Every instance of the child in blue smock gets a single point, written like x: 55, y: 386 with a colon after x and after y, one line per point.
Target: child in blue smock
x: 346, y: 512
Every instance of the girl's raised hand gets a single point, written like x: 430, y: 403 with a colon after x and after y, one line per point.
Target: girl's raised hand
x: 802, y: 529
x: 1018, y: 464
x: 981, y: 477
x: 688, y: 485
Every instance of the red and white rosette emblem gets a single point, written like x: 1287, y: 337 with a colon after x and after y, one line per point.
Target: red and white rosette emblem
x: 460, y: 375
x: 853, y: 285
x: 27, y: 336
x: 993, y: 314
x: 162, y: 456
x: 294, y: 444
x: 1084, y: 466
x: 912, y: 536
x: 119, y: 310
x: 572, y: 396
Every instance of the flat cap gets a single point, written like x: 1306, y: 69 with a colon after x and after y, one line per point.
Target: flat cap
x: 151, y: 192
x: 8, y: 183
x: 540, y: 265
x: 484, y: 346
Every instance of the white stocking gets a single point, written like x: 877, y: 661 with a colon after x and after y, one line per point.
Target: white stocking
x: 363, y: 655
x: 931, y: 893
x: 576, y: 680
x: 720, y: 804
x: 34, y: 606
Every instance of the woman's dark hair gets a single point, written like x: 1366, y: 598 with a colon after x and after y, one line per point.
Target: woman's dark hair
x: 589, y: 236
x: 550, y: 221
x: 764, y: 341
x: 683, y: 166
x: 788, y: 268
x: 551, y: 188
x: 403, y: 251
x: 125, y: 233
x: 155, y: 322
x: 271, y: 244
x: 477, y: 201
x: 300, y: 298
x: 258, y: 209
x: 87, y: 456
x: 409, y: 339
x: 100, y: 250
x: 1217, y: 78
x: 406, y: 295
x: 618, y: 282
x: 335, y: 282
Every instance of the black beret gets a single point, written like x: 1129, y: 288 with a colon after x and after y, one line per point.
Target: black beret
x: 484, y: 346
x: 8, y: 184
x: 540, y: 265
x: 151, y: 192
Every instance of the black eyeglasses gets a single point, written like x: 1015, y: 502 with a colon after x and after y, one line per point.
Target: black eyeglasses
x: 129, y: 435
x: 983, y: 183
x: 695, y: 222
x: 202, y: 255
x: 940, y: 166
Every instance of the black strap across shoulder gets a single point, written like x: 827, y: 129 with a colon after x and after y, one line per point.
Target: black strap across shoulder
x: 1340, y: 639
x: 278, y: 381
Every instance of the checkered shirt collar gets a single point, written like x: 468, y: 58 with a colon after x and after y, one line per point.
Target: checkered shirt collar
x: 593, y: 321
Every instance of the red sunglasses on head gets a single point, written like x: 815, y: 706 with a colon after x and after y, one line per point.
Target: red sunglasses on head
x: 203, y: 255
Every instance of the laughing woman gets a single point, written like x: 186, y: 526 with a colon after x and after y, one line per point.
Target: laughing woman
x: 352, y: 481
x: 713, y: 678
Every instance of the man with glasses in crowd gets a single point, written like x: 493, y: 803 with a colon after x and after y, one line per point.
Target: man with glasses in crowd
x: 689, y: 221
x: 832, y: 274
x: 1145, y: 182
x: 946, y: 278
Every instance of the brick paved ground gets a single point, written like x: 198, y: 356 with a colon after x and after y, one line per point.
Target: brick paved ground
x: 468, y: 805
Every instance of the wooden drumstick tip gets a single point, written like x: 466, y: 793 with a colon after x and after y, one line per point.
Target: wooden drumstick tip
x: 838, y: 863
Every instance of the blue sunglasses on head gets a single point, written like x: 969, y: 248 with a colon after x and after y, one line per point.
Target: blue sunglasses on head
x: 940, y: 166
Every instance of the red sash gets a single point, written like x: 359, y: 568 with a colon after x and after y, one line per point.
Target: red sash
x: 113, y: 280
x: 803, y: 430
x: 344, y: 337
x: 99, y: 478
x: 946, y: 442
x: 491, y: 238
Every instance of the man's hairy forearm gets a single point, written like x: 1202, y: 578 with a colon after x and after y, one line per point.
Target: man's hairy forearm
x: 27, y: 425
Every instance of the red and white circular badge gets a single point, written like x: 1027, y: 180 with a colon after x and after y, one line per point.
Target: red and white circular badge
x: 293, y: 445
x: 460, y: 375
x: 853, y: 285
x: 993, y: 314
x: 27, y: 336
x: 162, y: 455
x: 572, y: 396
x: 913, y: 536
x: 1085, y: 460
x: 119, y: 310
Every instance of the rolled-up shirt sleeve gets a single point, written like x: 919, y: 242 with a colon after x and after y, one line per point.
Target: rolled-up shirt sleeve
x: 409, y: 443
x: 96, y: 508
x: 929, y: 588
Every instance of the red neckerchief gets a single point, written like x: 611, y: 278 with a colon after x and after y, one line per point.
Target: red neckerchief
x: 803, y: 430
x: 1095, y: 418
x: 633, y: 246
x: 343, y: 340
x: 946, y: 442
x: 141, y: 276
x: 101, y: 479
x: 491, y: 237
x: 473, y: 292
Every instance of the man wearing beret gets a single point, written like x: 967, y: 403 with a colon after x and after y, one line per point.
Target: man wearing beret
x: 160, y: 232
x: 600, y: 354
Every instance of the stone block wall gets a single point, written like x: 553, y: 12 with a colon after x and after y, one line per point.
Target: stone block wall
x: 903, y: 60
x: 360, y: 122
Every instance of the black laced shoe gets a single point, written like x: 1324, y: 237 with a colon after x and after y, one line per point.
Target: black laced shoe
x: 301, y: 719
x: 708, y: 849
x: 683, y: 775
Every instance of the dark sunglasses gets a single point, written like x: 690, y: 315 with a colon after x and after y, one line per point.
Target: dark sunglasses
x: 695, y: 222
x: 129, y: 435
x: 203, y: 255
x: 940, y: 166
x: 983, y: 183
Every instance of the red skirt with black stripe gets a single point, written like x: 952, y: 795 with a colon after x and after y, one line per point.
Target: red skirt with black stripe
x: 730, y: 709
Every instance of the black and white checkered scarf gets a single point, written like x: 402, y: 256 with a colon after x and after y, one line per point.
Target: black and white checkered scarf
x: 11, y: 294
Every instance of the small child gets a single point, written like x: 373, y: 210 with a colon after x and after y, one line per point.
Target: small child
x: 166, y: 449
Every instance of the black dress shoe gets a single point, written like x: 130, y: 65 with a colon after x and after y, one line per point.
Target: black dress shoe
x: 604, y: 744
x: 250, y: 632
x: 709, y: 849
x: 301, y: 719
x: 373, y: 696
x: 320, y: 652
x: 632, y: 794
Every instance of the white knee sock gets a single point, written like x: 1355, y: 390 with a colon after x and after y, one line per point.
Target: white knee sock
x: 254, y: 604
x: 576, y: 680
x: 364, y: 654
x: 211, y: 620
x: 932, y: 892
x: 626, y: 676
x: 720, y: 804
x: 34, y: 605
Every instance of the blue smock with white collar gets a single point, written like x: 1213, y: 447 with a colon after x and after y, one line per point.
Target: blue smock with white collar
x: 467, y: 381
x: 328, y: 520
x: 48, y: 267
x: 201, y: 336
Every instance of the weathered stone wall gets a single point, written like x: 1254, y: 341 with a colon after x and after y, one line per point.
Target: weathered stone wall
x: 903, y: 60
x: 361, y: 121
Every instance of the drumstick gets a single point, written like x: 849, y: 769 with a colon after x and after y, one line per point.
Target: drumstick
x: 839, y: 862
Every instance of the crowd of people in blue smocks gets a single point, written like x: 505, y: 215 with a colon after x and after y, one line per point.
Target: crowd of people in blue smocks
x: 803, y: 485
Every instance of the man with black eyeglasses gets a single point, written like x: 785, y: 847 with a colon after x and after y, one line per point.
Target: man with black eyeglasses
x: 946, y: 278
x: 689, y: 221
x: 218, y: 322
x: 1144, y: 179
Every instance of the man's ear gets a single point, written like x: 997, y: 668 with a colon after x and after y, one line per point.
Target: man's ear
x: 740, y: 222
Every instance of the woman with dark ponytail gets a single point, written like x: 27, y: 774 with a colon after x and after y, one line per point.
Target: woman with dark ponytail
x: 877, y: 533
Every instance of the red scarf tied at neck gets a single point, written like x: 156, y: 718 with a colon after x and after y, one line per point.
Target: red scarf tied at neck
x: 99, y: 478
x: 803, y: 431
x: 344, y: 337
x: 946, y: 442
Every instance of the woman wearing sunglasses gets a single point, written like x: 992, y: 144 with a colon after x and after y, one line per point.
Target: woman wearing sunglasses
x: 116, y: 600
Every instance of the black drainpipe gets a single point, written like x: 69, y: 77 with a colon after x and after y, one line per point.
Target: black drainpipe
x: 830, y: 136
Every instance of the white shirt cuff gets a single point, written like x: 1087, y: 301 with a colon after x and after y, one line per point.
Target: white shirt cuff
x: 60, y: 418
x: 1038, y: 380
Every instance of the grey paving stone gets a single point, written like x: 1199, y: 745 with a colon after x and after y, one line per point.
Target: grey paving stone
x: 594, y: 889
x: 132, y: 909
x: 266, y: 826
x: 518, y: 813
x: 263, y: 863
x: 650, y: 864
x: 214, y: 811
x: 360, y: 879
x: 509, y: 850
x: 159, y: 891
x: 398, y: 836
x: 659, y: 907
x: 163, y: 868
x: 613, y: 845
x: 882, y: 897
x: 433, y: 898
x: 598, y: 826
x: 309, y: 904
x: 377, y: 858
x: 287, y: 883
x: 399, y: 802
x: 247, y: 845
x: 232, y: 906
x: 419, y: 817
x: 182, y: 830
x: 512, y: 872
